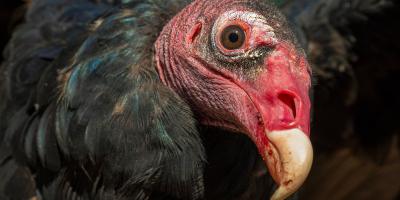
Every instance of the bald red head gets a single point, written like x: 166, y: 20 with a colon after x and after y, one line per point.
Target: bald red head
x: 238, y: 65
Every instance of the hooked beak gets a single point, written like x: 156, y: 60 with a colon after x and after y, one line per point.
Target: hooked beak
x: 288, y: 157
x: 281, y: 128
x: 282, y: 138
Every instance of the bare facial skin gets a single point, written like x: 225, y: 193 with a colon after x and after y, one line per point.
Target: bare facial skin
x: 237, y: 64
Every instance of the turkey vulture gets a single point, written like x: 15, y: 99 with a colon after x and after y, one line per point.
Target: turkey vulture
x: 152, y: 99
x: 44, y: 49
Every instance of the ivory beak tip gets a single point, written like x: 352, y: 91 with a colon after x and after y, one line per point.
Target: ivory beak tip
x: 289, y: 159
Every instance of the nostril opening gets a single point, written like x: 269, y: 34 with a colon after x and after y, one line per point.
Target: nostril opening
x: 289, y: 101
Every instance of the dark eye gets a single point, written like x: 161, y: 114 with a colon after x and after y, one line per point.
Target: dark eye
x: 233, y: 37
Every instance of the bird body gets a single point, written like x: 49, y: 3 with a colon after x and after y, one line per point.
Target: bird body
x: 100, y: 79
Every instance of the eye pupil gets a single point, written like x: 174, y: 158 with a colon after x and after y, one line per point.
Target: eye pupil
x: 232, y: 37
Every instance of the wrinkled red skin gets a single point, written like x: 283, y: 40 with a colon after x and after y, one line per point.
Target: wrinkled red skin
x: 276, y: 98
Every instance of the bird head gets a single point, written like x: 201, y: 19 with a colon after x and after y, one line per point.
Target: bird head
x: 239, y: 67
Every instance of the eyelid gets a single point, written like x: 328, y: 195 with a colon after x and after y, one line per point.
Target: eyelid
x: 247, y: 30
x: 245, y: 16
x: 252, y: 23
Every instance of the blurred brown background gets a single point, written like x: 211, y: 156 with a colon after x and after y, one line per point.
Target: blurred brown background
x: 356, y: 120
